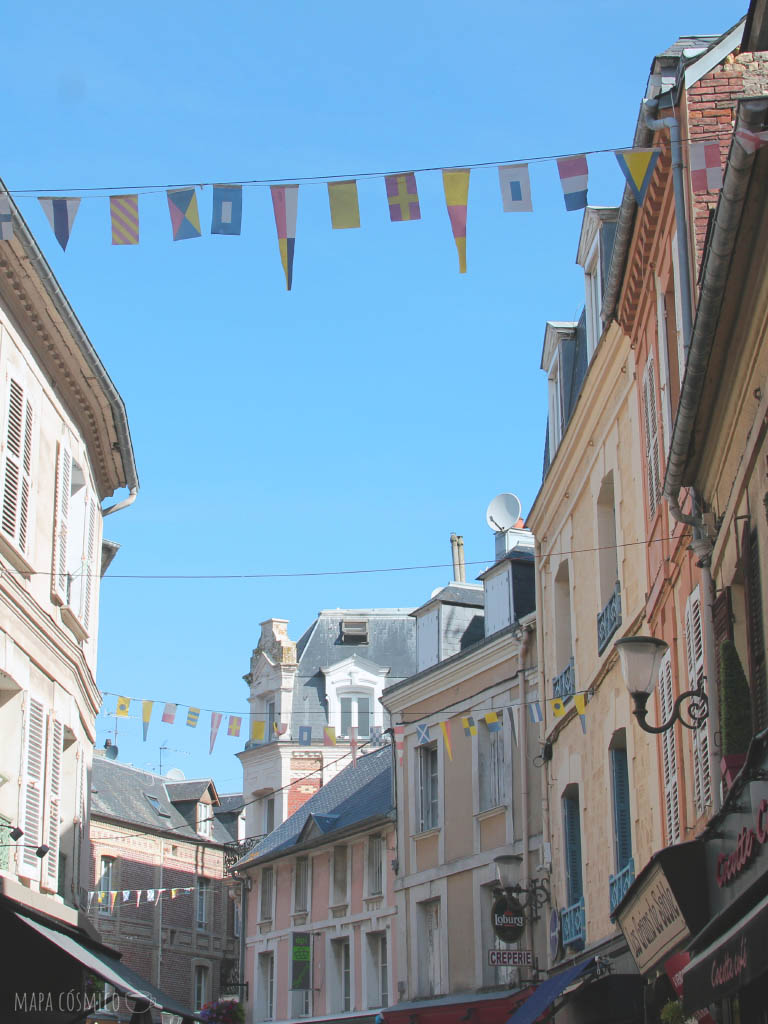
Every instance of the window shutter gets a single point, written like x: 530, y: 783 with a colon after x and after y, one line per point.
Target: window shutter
x: 89, y: 564
x: 669, y: 753
x: 17, y: 468
x: 651, y: 437
x: 53, y: 804
x: 59, y: 577
x: 622, y: 827
x: 694, y: 643
x: 755, y: 638
x: 32, y: 787
x: 572, y: 829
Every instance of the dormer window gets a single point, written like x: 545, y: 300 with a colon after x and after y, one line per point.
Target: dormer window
x: 354, y: 631
x: 557, y: 332
x: 595, y: 246
x: 594, y: 297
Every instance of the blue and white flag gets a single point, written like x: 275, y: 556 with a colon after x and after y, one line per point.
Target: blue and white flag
x: 305, y: 735
x: 61, y: 213
x: 422, y: 734
x: 515, y: 185
x: 227, y: 209
x: 534, y: 710
x: 574, y: 177
x: 376, y: 739
x: 6, y: 222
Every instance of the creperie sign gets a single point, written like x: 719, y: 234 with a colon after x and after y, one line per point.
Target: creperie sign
x: 730, y: 865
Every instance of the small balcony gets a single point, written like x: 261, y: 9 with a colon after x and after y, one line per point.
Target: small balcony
x: 573, y: 923
x: 618, y: 884
x: 234, y: 851
x: 609, y: 619
x: 564, y: 685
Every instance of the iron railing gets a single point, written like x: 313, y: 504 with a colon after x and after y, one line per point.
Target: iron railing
x: 609, y: 619
x: 573, y: 922
x: 564, y: 685
x: 618, y: 884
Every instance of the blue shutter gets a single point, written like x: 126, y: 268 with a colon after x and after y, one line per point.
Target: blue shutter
x: 622, y: 829
x: 572, y: 829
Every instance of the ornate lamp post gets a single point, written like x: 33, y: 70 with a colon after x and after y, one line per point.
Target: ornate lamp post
x: 641, y: 658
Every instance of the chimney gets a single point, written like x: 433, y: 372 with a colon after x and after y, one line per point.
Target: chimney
x: 462, y: 577
x: 455, y: 556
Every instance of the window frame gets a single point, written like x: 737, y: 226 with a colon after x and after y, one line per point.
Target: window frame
x: 492, y: 767
x: 428, y: 786
x: 267, y: 894
x: 202, y: 901
x: 375, y: 847
x: 297, y: 908
x: 106, y: 861
x: 200, y: 985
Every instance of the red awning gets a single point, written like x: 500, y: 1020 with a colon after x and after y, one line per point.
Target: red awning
x: 485, y: 1008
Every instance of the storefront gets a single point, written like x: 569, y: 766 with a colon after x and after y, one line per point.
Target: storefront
x: 729, y: 955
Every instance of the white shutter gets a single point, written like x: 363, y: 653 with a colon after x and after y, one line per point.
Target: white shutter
x: 53, y: 804
x: 17, y: 467
x: 651, y: 436
x: 59, y: 577
x: 694, y: 645
x: 669, y: 753
x: 89, y: 564
x: 32, y: 787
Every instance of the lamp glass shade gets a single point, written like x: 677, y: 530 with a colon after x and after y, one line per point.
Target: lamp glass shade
x: 640, y: 661
x: 506, y: 868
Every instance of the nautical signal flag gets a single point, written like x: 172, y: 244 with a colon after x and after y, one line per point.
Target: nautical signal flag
x: 61, y: 213
x: 258, y: 730
x: 342, y: 197
x: 376, y: 739
x: 233, y: 729
x: 215, y: 723
x: 445, y: 728
x: 514, y: 720
x: 493, y: 721
x: 574, y: 174
x: 169, y: 714
x: 422, y: 735
x: 305, y: 735
x: 580, y: 703
x: 515, y: 184
x: 402, y: 196
x: 468, y: 724
x: 123, y: 704
x: 558, y: 707
x: 706, y: 169
x: 185, y: 217
x: 280, y: 728
x: 285, y: 201
x: 329, y: 736
x: 534, y: 710
x: 192, y: 716
x: 146, y: 715
x: 227, y: 209
x: 124, y: 214
x: 6, y: 220
x: 637, y: 166
x: 456, y: 188
x: 353, y: 742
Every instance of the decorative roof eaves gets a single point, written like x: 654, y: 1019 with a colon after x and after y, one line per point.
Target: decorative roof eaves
x: 327, y: 839
x: 554, y: 332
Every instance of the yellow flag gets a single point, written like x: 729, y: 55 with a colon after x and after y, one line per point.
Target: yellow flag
x: 580, y: 702
x: 456, y: 188
x: 123, y: 703
x: 342, y: 195
x: 258, y: 729
x: 558, y: 708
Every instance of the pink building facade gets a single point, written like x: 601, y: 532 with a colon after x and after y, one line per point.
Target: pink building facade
x: 320, y: 931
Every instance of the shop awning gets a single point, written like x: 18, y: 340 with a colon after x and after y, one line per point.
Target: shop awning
x: 482, y: 1008
x: 547, y: 993
x: 730, y: 963
x: 111, y: 970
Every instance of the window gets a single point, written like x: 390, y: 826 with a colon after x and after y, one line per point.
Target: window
x: 555, y: 422
x: 563, y: 634
x: 675, y: 303
x: 75, y: 568
x: 271, y: 720
x: 301, y: 885
x: 204, y: 820
x: 342, y: 980
x: 301, y: 1002
x: 428, y: 787
x: 378, y: 975
x: 156, y: 806
x: 203, y: 898
x: 201, y: 986
x: 339, y: 875
x: 429, y: 948
x: 266, y: 894
x: 606, y: 540
x: 651, y: 425
x: 354, y: 631
x: 106, y: 881
x: 593, y: 296
x: 355, y: 711
x: 572, y: 843
x: 375, y: 851
x: 694, y: 646
x: 17, y: 468
x: 491, y: 766
x: 668, y: 387
x: 754, y: 619
x: 622, y: 826
x: 265, y: 993
x: 269, y: 814
x: 669, y: 752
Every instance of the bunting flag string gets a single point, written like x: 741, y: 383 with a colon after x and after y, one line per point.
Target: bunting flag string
x: 285, y: 202
x: 215, y: 723
x: 108, y: 897
x: 146, y: 715
x: 61, y: 215
x: 456, y: 188
x: 637, y: 166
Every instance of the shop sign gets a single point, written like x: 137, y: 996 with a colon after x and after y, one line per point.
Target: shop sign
x: 673, y: 968
x: 730, y: 865
x: 508, y: 917
x: 510, y: 958
x: 652, y: 921
x: 301, y: 961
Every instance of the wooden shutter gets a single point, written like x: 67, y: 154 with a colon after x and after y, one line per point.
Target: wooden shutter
x: 650, y: 419
x: 694, y: 645
x: 59, y: 575
x: 17, y: 468
x: 31, y: 816
x: 669, y: 753
x: 89, y: 564
x: 755, y: 637
x: 572, y: 830
x: 53, y: 803
x: 622, y: 827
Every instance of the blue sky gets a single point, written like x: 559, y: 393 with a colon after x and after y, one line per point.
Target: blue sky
x: 360, y: 419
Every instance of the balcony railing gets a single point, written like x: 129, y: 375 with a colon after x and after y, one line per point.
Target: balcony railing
x: 618, y: 884
x: 234, y: 851
x: 564, y: 685
x: 609, y: 619
x: 573, y: 922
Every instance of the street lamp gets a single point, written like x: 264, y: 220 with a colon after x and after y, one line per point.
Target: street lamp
x: 532, y: 896
x: 641, y: 658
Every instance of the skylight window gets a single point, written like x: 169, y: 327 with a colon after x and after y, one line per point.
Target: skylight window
x: 156, y: 806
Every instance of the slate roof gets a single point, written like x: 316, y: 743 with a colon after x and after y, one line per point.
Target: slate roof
x: 358, y: 794
x: 120, y: 791
x: 192, y: 790
x: 470, y: 596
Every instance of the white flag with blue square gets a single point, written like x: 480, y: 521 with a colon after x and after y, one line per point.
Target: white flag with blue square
x: 6, y: 220
x: 515, y: 184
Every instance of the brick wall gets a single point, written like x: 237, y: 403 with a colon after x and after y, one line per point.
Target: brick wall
x: 301, y: 789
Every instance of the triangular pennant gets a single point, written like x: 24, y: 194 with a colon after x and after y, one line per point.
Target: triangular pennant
x: 456, y: 188
x: 514, y: 723
x: 353, y: 743
x: 138, y: 897
x: 399, y: 731
x: 61, y: 213
x: 285, y: 202
x: 637, y: 166
x: 112, y: 900
x: 215, y: 723
x: 146, y: 714
x: 445, y: 728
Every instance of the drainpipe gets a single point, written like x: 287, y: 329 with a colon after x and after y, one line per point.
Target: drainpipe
x: 455, y: 556
x: 650, y: 107
x: 462, y: 565
x: 121, y: 504
x: 524, y: 801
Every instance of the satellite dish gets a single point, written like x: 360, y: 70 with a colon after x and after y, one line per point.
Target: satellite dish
x: 176, y: 774
x: 503, y: 512
x: 111, y: 751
